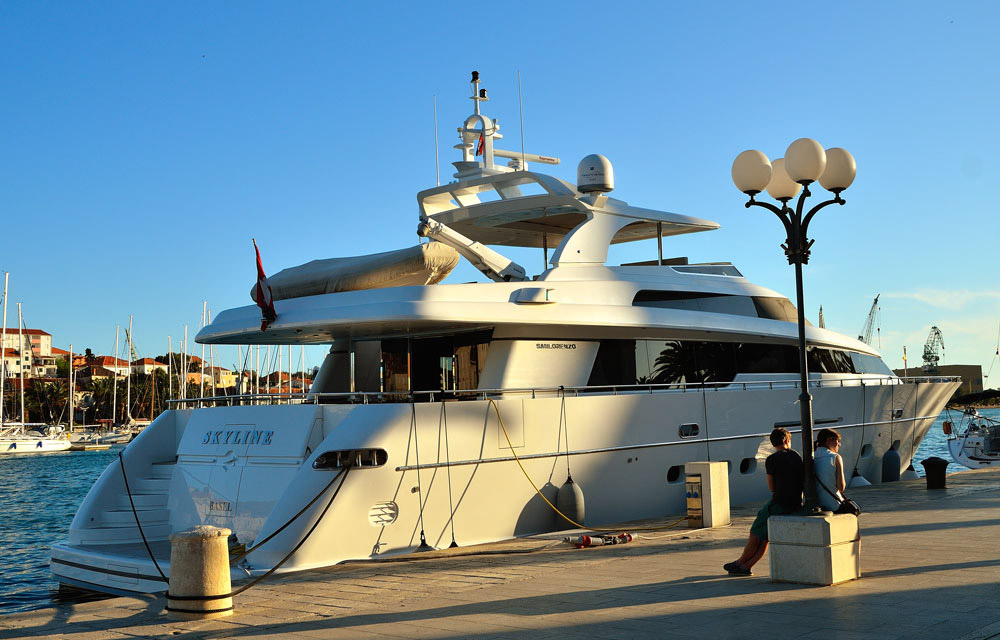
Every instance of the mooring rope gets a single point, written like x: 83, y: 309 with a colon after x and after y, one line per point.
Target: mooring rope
x: 420, y: 490
x: 496, y: 408
x: 447, y: 458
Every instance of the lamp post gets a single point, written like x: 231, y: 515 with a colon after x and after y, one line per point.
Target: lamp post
x: 805, y: 162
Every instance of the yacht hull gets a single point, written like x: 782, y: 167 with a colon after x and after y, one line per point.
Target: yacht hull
x: 448, y: 472
x: 22, y: 445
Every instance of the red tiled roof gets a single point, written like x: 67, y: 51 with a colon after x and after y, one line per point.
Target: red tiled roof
x: 10, y: 353
x: 56, y: 351
x: 30, y: 332
x: 110, y: 361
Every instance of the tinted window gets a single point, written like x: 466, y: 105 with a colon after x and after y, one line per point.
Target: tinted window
x: 864, y: 363
x: 777, y: 309
x: 767, y: 358
x: 615, y: 363
x: 627, y: 362
x: 707, y: 302
x: 677, y: 362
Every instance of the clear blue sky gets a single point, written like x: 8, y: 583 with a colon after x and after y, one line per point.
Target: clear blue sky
x: 145, y: 144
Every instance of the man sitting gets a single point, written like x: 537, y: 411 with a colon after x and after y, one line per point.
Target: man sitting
x: 785, y: 480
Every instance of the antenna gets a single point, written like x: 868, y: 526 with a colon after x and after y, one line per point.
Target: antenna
x: 437, y: 160
x: 520, y: 109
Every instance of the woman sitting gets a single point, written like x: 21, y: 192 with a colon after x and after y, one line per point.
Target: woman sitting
x: 829, y: 468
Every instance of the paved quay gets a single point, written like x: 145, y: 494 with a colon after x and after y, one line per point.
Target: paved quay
x: 930, y: 563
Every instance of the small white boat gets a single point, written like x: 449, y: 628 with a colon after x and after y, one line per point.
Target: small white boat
x: 975, y: 443
x: 32, y: 438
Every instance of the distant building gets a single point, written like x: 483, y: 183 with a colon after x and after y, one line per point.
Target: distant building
x: 116, y: 365
x: 60, y: 354
x: 38, y: 360
x: 972, y: 375
x: 92, y: 372
x: 146, y: 366
x: 12, y: 363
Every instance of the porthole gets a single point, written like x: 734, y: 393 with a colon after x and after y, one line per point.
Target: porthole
x: 866, y: 451
x: 674, y: 474
x: 688, y: 430
x: 748, y: 466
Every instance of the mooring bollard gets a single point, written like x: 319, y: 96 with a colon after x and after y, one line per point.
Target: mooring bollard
x: 935, y: 469
x: 199, y: 568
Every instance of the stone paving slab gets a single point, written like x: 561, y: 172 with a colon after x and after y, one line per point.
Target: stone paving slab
x: 930, y: 569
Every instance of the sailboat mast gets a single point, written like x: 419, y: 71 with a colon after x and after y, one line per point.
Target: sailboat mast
x: 3, y: 345
x: 201, y: 389
x: 71, y: 385
x: 211, y: 352
x: 114, y: 380
x: 183, y: 382
x: 128, y: 375
x: 170, y: 369
x: 152, y: 391
x: 20, y: 356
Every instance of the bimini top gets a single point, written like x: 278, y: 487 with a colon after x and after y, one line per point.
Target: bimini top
x: 493, y: 209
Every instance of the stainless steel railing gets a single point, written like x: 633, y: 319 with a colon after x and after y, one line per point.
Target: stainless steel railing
x: 387, y: 397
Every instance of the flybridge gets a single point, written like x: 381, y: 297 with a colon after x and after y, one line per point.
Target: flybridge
x: 509, y: 205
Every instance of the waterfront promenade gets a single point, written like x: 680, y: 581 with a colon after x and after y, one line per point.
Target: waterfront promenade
x: 930, y: 562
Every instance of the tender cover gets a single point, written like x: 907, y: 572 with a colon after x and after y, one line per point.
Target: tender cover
x: 421, y: 264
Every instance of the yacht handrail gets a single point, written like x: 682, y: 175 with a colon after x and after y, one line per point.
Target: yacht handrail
x: 383, y: 397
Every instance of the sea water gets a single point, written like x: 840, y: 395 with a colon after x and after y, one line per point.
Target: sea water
x: 41, y: 492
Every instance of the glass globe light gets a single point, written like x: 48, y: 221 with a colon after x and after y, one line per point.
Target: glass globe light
x: 781, y: 187
x: 840, y: 170
x: 751, y: 172
x: 805, y: 160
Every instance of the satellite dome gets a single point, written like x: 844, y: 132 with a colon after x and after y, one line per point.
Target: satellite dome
x: 594, y: 173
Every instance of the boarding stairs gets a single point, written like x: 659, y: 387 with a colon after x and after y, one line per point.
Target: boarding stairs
x: 117, y: 523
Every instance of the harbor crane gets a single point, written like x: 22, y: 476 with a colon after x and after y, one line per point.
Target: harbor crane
x: 932, y: 348
x: 870, y: 323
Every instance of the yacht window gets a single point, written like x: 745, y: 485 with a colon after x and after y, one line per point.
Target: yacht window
x: 615, y: 363
x: 688, y: 430
x: 631, y: 362
x: 864, y: 363
x: 829, y: 361
x: 710, y: 269
x: 767, y: 358
x: 679, y: 362
x: 696, y: 301
x: 776, y: 309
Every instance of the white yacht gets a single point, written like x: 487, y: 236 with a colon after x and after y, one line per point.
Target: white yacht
x: 444, y: 412
x: 975, y: 443
x: 18, y: 438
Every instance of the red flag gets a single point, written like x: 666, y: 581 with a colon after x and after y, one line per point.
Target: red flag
x: 264, y: 299
x: 482, y: 145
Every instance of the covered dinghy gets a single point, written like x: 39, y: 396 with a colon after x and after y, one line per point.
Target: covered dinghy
x: 418, y: 265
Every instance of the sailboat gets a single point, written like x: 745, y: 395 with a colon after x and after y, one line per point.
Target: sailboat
x: 21, y: 436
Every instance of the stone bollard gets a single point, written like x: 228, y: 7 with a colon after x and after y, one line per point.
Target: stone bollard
x: 199, y: 566
x: 821, y: 550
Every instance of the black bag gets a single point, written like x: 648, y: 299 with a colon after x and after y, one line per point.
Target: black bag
x: 846, y: 505
x: 849, y: 506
